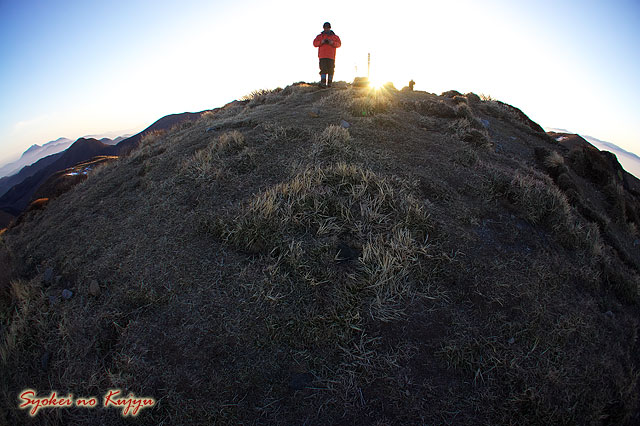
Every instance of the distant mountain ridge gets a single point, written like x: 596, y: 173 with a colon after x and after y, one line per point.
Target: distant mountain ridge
x: 17, y: 191
x: 16, y: 199
x: 34, y: 153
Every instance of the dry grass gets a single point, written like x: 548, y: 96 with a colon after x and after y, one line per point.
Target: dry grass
x: 307, y: 231
x: 279, y: 134
x: 6, y: 273
x: 554, y: 160
x: 334, y: 144
x: 225, y: 154
x: 538, y: 361
x: 514, y: 116
x: 371, y: 103
x: 470, y: 130
x: 384, y: 274
x: 297, y: 222
x: 430, y: 108
x: 540, y: 201
x: 616, y: 197
x: 466, y: 156
x: 263, y: 96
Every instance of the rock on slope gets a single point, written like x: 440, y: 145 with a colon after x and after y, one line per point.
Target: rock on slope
x: 442, y: 260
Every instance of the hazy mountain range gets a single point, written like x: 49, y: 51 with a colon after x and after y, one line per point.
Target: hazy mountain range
x: 36, y: 152
x: 33, y: 154
x: 18, y: 189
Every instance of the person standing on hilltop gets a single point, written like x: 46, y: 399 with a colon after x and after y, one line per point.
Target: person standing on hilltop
x: 327, y: 42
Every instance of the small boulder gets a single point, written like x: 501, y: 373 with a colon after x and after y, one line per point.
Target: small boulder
x: 47, y: 279
x: 44, y: 360
x: 67, y: 294
x: 94, y: 288
x: 314, y: 112
x: 345, y: 124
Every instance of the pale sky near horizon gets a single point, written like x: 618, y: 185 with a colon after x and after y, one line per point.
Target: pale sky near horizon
x: 76, y: 67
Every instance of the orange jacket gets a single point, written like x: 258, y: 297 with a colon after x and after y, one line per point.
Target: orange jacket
x: 327, y: 50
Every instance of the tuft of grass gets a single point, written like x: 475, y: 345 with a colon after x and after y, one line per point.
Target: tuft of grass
x: 466, y: 157
x: 539, y: 199
x: 383, y: 221
x: 341, y: 99
x: 463, y: 110
x: 615, y: 194
x: 149, y: 145
x: 459, y: 99
x: 470, y: 130
x: 263, y: 96
x: 209, y: 162
x: 333, y: 144
x: 373, y: 102
x: 554, y: 160
x: 333, y: 134
x: 541, y: 202
x: 277, y: 133
x: 486, y: 98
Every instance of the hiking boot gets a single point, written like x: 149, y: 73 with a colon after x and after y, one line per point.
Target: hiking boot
x: 322, y: 85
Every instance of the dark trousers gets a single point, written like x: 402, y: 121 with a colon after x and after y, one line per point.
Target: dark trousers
x: 327, y: 66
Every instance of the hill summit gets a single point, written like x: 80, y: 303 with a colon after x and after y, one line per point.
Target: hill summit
x: 342, y: 256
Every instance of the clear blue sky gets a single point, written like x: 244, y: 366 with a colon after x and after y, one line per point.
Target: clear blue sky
x: 73, y: 68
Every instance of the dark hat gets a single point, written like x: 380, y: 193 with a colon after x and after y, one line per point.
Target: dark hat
x: 326, y: 24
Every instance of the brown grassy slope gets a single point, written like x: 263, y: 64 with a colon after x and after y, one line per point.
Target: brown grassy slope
x: 263, y: 265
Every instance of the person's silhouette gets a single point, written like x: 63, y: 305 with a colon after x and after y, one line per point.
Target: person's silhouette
x: 327, y: 42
